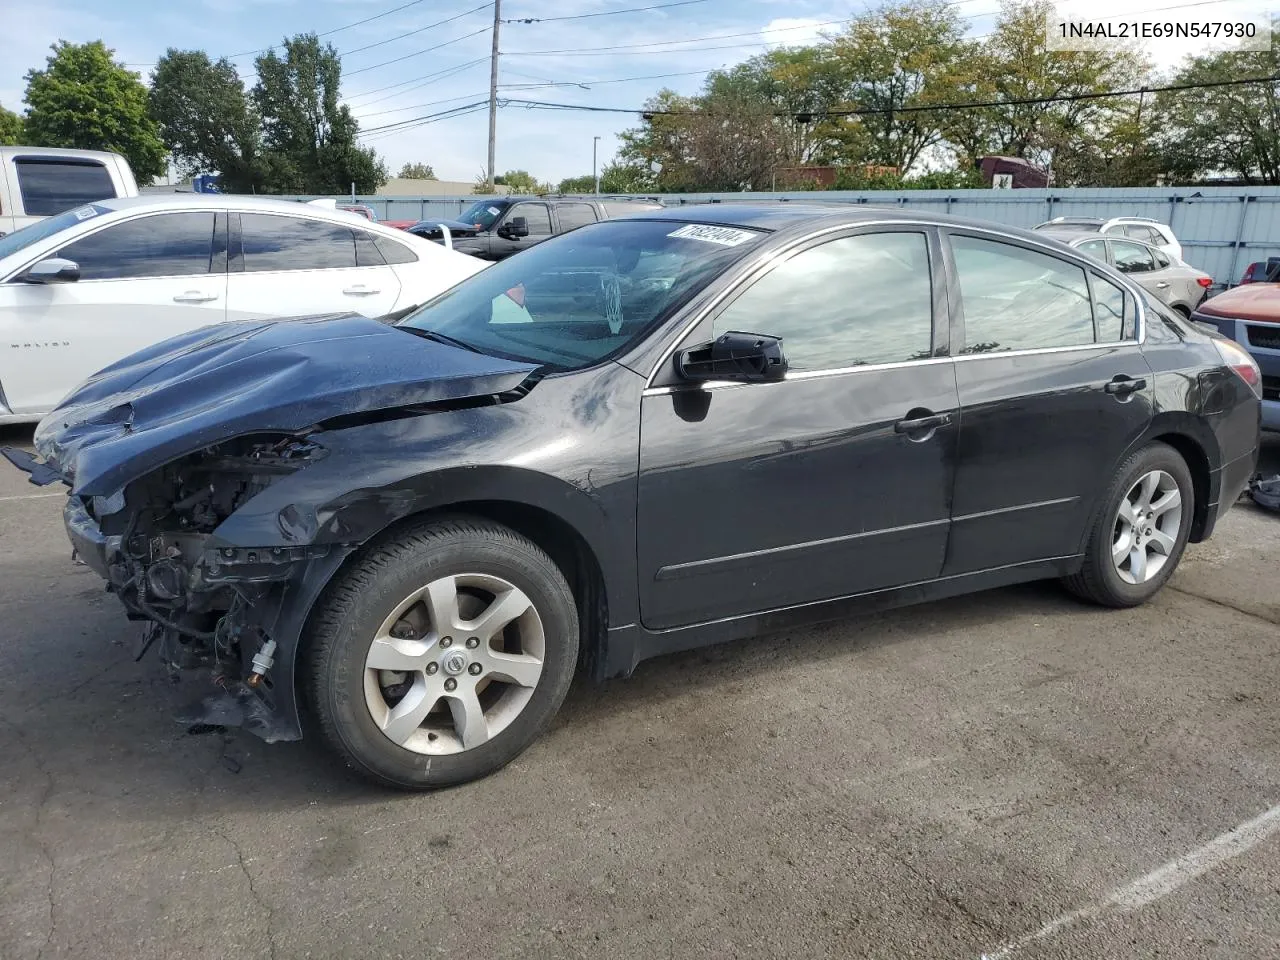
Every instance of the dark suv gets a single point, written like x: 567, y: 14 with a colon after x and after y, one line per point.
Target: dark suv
x: 495, y: 229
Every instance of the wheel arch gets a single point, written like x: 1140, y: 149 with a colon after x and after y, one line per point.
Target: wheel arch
x: 1181, y: 434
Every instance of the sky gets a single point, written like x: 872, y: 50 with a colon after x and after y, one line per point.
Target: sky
x: 560, y: 60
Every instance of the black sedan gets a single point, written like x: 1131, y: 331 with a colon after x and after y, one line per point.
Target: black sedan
x: 643, y: 436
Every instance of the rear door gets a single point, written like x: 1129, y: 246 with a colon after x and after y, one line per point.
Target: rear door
x: 1054, y: 390
x: 1143, y: 264
x: 141, y: 281
x: 285, y: 266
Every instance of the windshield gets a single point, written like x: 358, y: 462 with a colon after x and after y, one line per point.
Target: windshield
x: 482, y: 214
x: 21, y: 239
x: 572, y: 301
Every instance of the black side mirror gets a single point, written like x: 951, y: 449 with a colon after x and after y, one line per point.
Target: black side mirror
x: 52, y: 270
x: 515, y: 228
x: 748, y: 357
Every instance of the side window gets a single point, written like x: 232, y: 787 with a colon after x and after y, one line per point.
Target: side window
x: 573, y: 215
x: 1162, y: 261
x: 848, y: 302
x: 394, y: 252
x: 1094, y: 248
x: 292, y: 243
x: 1018, y: 299
x: 537, y: 215
x: 166, y: 245
x: 1143, y: 233
x: 1114, y: 311
x: 50, y: 187
x: 1132, y: 257
x: 367, y: 254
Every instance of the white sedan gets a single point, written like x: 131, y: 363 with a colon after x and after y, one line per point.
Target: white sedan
x: 88, y: 287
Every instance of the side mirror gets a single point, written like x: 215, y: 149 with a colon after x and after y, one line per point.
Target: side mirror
x: 52, y: 270
x: 515, y: 228
x: 747, y: 357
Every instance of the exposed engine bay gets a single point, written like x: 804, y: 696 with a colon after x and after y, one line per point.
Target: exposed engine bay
x: 203, y: 606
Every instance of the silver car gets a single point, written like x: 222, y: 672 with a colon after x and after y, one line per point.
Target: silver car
x: 1174, y: 282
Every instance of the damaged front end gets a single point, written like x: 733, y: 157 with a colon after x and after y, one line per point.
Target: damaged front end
x: 230, y: 613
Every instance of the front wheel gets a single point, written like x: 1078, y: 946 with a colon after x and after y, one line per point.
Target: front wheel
x: 1140, y: 532
x: 441, y: 654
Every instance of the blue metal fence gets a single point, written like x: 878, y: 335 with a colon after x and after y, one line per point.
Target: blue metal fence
x: 1221, y: 229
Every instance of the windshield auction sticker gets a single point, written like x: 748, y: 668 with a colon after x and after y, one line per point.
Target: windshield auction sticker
x: 1164, y: 34
x: 725, y: 236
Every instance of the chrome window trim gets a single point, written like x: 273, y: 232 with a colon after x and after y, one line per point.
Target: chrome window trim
x: 765, y: 263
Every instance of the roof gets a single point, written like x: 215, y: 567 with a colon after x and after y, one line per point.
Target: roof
x: 56, y: 152
x: 217, y: 201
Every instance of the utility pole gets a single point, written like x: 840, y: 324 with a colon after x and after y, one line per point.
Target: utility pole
x: 595, y: 175
x: 493, y: 90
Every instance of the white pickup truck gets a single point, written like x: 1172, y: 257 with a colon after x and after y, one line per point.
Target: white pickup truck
x: 39, y: 182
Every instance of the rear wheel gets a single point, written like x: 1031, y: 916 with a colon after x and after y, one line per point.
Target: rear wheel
x: 442, y: 654
x: 1140, y: 532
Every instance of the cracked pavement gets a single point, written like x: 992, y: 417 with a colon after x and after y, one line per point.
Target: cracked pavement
x: 936, y: 781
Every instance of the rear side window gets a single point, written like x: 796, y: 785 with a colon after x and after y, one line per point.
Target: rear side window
x: 50, y: 187
x: 573, y: 215
x: 393, y: 252
x: 1132, y: 257
x: 292, y: 243
x: 165, y: 245
x: 367, y: 254
x: 1019, y: 299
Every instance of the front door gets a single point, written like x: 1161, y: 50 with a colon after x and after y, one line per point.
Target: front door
x: 536, y: 217
x: 141, y: 281
x: 1054, y: 390
x: 832, y: 482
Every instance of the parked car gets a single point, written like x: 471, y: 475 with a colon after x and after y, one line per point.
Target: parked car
x: 1262, y: 271
x: 84, y: 288
x: 646, y: 435
x: 1137, y: 228
x: 39, y: 182
x: 1171, y: 281
x: 495, y: 229
x: 1250, y: 315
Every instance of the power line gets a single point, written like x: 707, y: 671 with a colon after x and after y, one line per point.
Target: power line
x: 329, y: 33
x: 597, y: 83
x: 438, y: 23
x: 660, y: 43
x: 418, y: 121
x: 426, y: 79
x: 605, y: 13
x: 421, y: 106
x: 409, y: 56
x: 940, y: 107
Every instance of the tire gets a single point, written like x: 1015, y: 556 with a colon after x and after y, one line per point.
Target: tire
x: 354, y: 698
x: 1182, y: 311
x: 1111, y: 583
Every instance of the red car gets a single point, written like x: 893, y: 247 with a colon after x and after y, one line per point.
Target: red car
x: 368, y: 214
x: 1250, y: 315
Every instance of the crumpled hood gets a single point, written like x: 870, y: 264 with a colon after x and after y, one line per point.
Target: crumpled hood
x: 207, y: 386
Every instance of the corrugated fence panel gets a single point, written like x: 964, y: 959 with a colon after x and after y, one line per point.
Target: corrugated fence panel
x: 1222, y: 229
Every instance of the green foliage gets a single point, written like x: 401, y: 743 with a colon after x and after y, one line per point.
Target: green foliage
x: 10, y: 128
x: 417, y: 171
x: 206, y: 120
x: 309, y: 138
x: 583, y: 184
x: 522, y: 181
x: 84, y: 99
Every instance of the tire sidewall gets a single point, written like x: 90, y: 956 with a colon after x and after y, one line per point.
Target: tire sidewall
x: 342, y: 676
x: 1155, y: 457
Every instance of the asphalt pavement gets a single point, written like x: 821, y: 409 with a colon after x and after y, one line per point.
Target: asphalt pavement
x: 1010, y: 774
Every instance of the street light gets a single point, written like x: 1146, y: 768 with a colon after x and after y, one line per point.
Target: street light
x: 595, y: 175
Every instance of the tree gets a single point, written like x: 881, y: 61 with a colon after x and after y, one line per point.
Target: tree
x: 309, y: 137
x: 891, y: 62
x: 417, y: 171
x: 10, y: 128
x: 85, y: 99
x: 522, y: 181
x: 1223, y: 129
x: 618, y: 177
x: 207, y: 121
x: 583, y: 184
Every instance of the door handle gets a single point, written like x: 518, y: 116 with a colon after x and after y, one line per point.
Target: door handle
x: 194, y: 296
x: 921, y: 424
x: 1122, y: 386
x: 360, y: 291
x: 1162, y: 285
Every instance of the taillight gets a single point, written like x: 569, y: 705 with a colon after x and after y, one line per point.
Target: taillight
x: 1244, y: 366
x: 1205, y: 282
x: 1248, y: 274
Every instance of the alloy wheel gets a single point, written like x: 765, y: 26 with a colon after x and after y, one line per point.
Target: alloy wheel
x: 1146, y: 527
x: 454, y: 663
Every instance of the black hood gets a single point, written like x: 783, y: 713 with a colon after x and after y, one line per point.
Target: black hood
x: 456, y: 228
x: 251, y: 376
